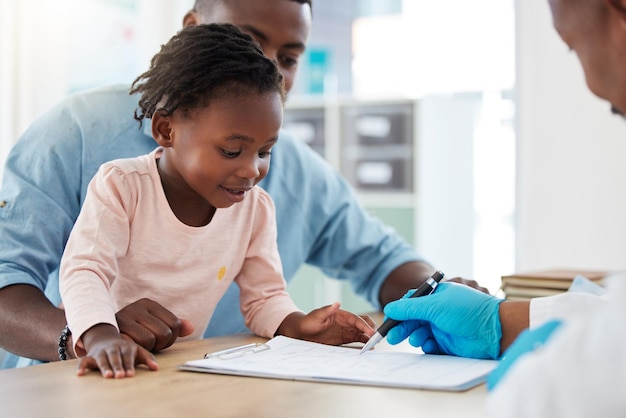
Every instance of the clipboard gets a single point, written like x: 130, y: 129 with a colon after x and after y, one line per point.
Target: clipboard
x: 235, y: 352
x: 292, y: 359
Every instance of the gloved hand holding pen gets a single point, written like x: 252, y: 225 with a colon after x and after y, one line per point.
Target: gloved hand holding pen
x: 455, y: 319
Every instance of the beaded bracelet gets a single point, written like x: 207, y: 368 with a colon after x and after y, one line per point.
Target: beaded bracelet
x: 65, y: 335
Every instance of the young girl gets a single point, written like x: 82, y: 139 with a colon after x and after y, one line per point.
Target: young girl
x: 180, y: 224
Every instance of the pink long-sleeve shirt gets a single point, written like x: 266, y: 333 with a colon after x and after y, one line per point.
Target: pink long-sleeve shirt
x: 127, y: 244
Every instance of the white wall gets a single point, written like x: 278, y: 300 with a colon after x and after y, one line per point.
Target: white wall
x: 445, y: 182
x: 50, y: 48
x: 571, y: 155
x: 7, y: 51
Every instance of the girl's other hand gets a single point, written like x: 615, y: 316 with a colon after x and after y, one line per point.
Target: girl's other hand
x: 112, y: 354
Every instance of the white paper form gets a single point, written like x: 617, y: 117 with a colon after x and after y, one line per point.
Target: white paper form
x: 293, y: 359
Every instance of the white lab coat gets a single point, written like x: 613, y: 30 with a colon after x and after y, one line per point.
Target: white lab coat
x: 581, y: 370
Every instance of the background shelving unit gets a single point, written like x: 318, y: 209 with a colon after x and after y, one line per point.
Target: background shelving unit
x: 373, y: 144
x: 436, y: 169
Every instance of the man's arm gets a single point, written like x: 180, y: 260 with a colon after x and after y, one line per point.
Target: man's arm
x: 404, y: 277
x: 41, y: 190
x: 31, y: 325
x: 410, y: 276
x: 34, y: 332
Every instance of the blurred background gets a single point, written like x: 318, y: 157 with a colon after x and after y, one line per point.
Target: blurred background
x: 466, y: 126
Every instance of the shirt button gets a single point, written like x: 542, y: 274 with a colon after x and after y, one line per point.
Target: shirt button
x: 3, y: 204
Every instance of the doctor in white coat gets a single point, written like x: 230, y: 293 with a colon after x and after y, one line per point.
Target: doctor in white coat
x: 562, y: 356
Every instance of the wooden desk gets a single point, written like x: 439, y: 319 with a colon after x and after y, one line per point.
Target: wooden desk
x: 54, y: 390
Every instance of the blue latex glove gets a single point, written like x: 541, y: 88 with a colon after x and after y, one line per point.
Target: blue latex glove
x: 526, y: 342
x: 455, y: 319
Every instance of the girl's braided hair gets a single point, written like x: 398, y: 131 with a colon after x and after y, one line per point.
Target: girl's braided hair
x: 201, y: 63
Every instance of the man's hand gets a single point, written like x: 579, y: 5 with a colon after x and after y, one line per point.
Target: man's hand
x: 151, y: 326
x: 410, y: 276
x: 468, y: 282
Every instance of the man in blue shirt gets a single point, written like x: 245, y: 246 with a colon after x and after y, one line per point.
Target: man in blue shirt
x: 320, y: 221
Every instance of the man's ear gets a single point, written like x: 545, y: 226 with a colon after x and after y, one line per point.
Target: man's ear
x: 617, y: 12
x: 617, y: 5
x: 162, y: 128
x: 190, y: 19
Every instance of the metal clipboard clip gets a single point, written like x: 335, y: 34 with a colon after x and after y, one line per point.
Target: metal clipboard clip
x: 237, y: 352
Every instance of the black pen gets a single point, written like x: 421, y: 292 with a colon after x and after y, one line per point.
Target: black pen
x: 426, y: 288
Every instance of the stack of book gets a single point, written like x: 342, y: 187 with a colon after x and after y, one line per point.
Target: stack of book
x: 524, y: 286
